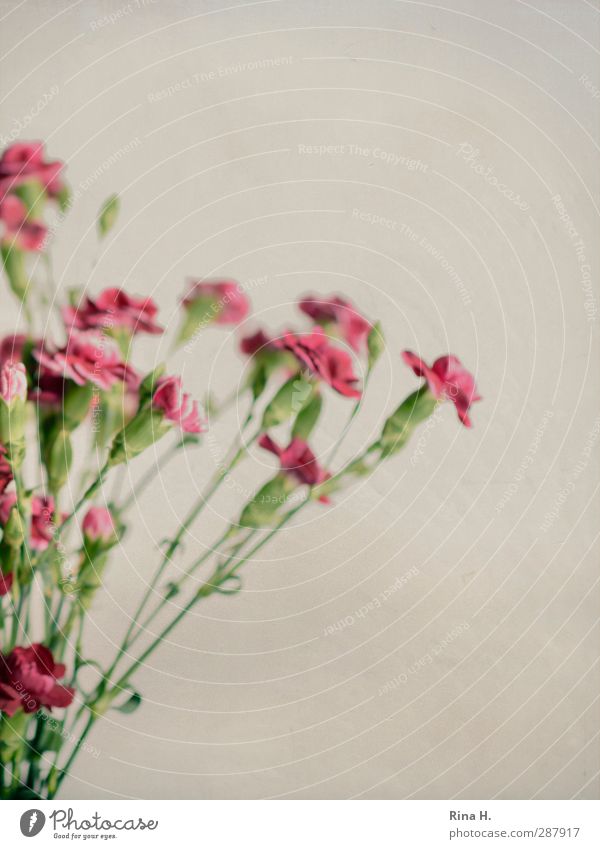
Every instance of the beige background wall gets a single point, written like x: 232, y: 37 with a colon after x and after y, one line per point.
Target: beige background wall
x: 492, y: 641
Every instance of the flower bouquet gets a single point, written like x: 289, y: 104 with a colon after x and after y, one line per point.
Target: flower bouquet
x: 81, y: 393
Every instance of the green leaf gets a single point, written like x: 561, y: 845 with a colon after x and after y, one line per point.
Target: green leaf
x: 399, y: 426
x: 108, y: 215
x: 14, y: 265
x: 131, y: 704
x: 291, y: 398
x: 262, y: 508
x: 308, y: 417
x: 375, y: 344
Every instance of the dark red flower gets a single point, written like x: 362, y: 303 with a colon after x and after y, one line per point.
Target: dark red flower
x: 25, y: 161
x: 255, y: 343
x: 114, y: 308
x: 89, y: 356
x: 447, y: 379
x: 29, y: 680
x: 6, y: 474
x: 297, y: 460
x: 11, y: 348
x: 331, y: 364
x: 6, y: 582
x: 352, y: 326
x: 18, y: 230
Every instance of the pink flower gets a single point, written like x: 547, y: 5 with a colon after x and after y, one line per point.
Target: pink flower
x: 98, y: 525
x: 114, y: 308
x: 18, y: 230
x: 298, y: 461
x: 13, y: 382
x: 11, y: 348
x: 175, y: 404
x: 6, y: 474
x: 23, y: 162
x: 88, y: 356
x: 29, y: 680
x: 6, y: 582
x: 447, y: 378
x: 353, y: 327
x: 331, y: 364
x: 42, y: 518
x: 224, y: 298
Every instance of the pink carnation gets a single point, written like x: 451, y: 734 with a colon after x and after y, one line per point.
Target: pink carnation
x: 352, y: 326
x: 447, y: 378
x: 331, y: 364
x: 11, y: 348
x: 229, y: 304
x: 114, y: 308
x: 18, y: 231
x: 24, y: 161
x: 256, y: 343
x: 88, y: 356
x: 42, y: 518
x: 297, y: 460
x: 29, y: 680
x: 177, y: 405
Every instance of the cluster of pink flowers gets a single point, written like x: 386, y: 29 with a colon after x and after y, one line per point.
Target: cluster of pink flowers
x: 88, y: 369
x: 25, y: 165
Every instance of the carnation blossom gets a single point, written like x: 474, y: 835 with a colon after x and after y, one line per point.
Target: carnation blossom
x: 42, y: 518
x: 229, y: 304
x: 89, y: 356
x: 13, y: 383
x: 98, y: 525
x: 177, y: 405
x: 298, y: 461
x: 447, y: 379
x: 331, y: 364
x: 23, y: 162
x: 29, y: 680
x: 114, y: 308
x: 352, y: 326
x: 19, y: 231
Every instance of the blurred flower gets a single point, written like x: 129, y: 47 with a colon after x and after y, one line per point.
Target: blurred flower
x: 297, y: 460
x: 447, y: 379
x: 98, y: 525
x: 6, y: 582
x: 352, y: 326
x: 13, y: 383
x: 88, y: 356
x: 11, y: 348
x: 24, y: 161
x: 331, y: 364
x: 114, y: 308
x: 42, y: 518
x: 223, y: 300
x: 175, y: 404
x: 29, y: 680
x: 6, y: 474
x: 256, y: 343
x: 18, y: 230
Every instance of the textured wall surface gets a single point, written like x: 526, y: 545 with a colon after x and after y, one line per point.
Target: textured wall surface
x: 434, y: 633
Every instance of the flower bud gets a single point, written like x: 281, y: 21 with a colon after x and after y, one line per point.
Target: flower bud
x: 290, y: 400
x: 14, y: 529
x: 400, y: 425
x: 98, y: 525
x: 13, y: 397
